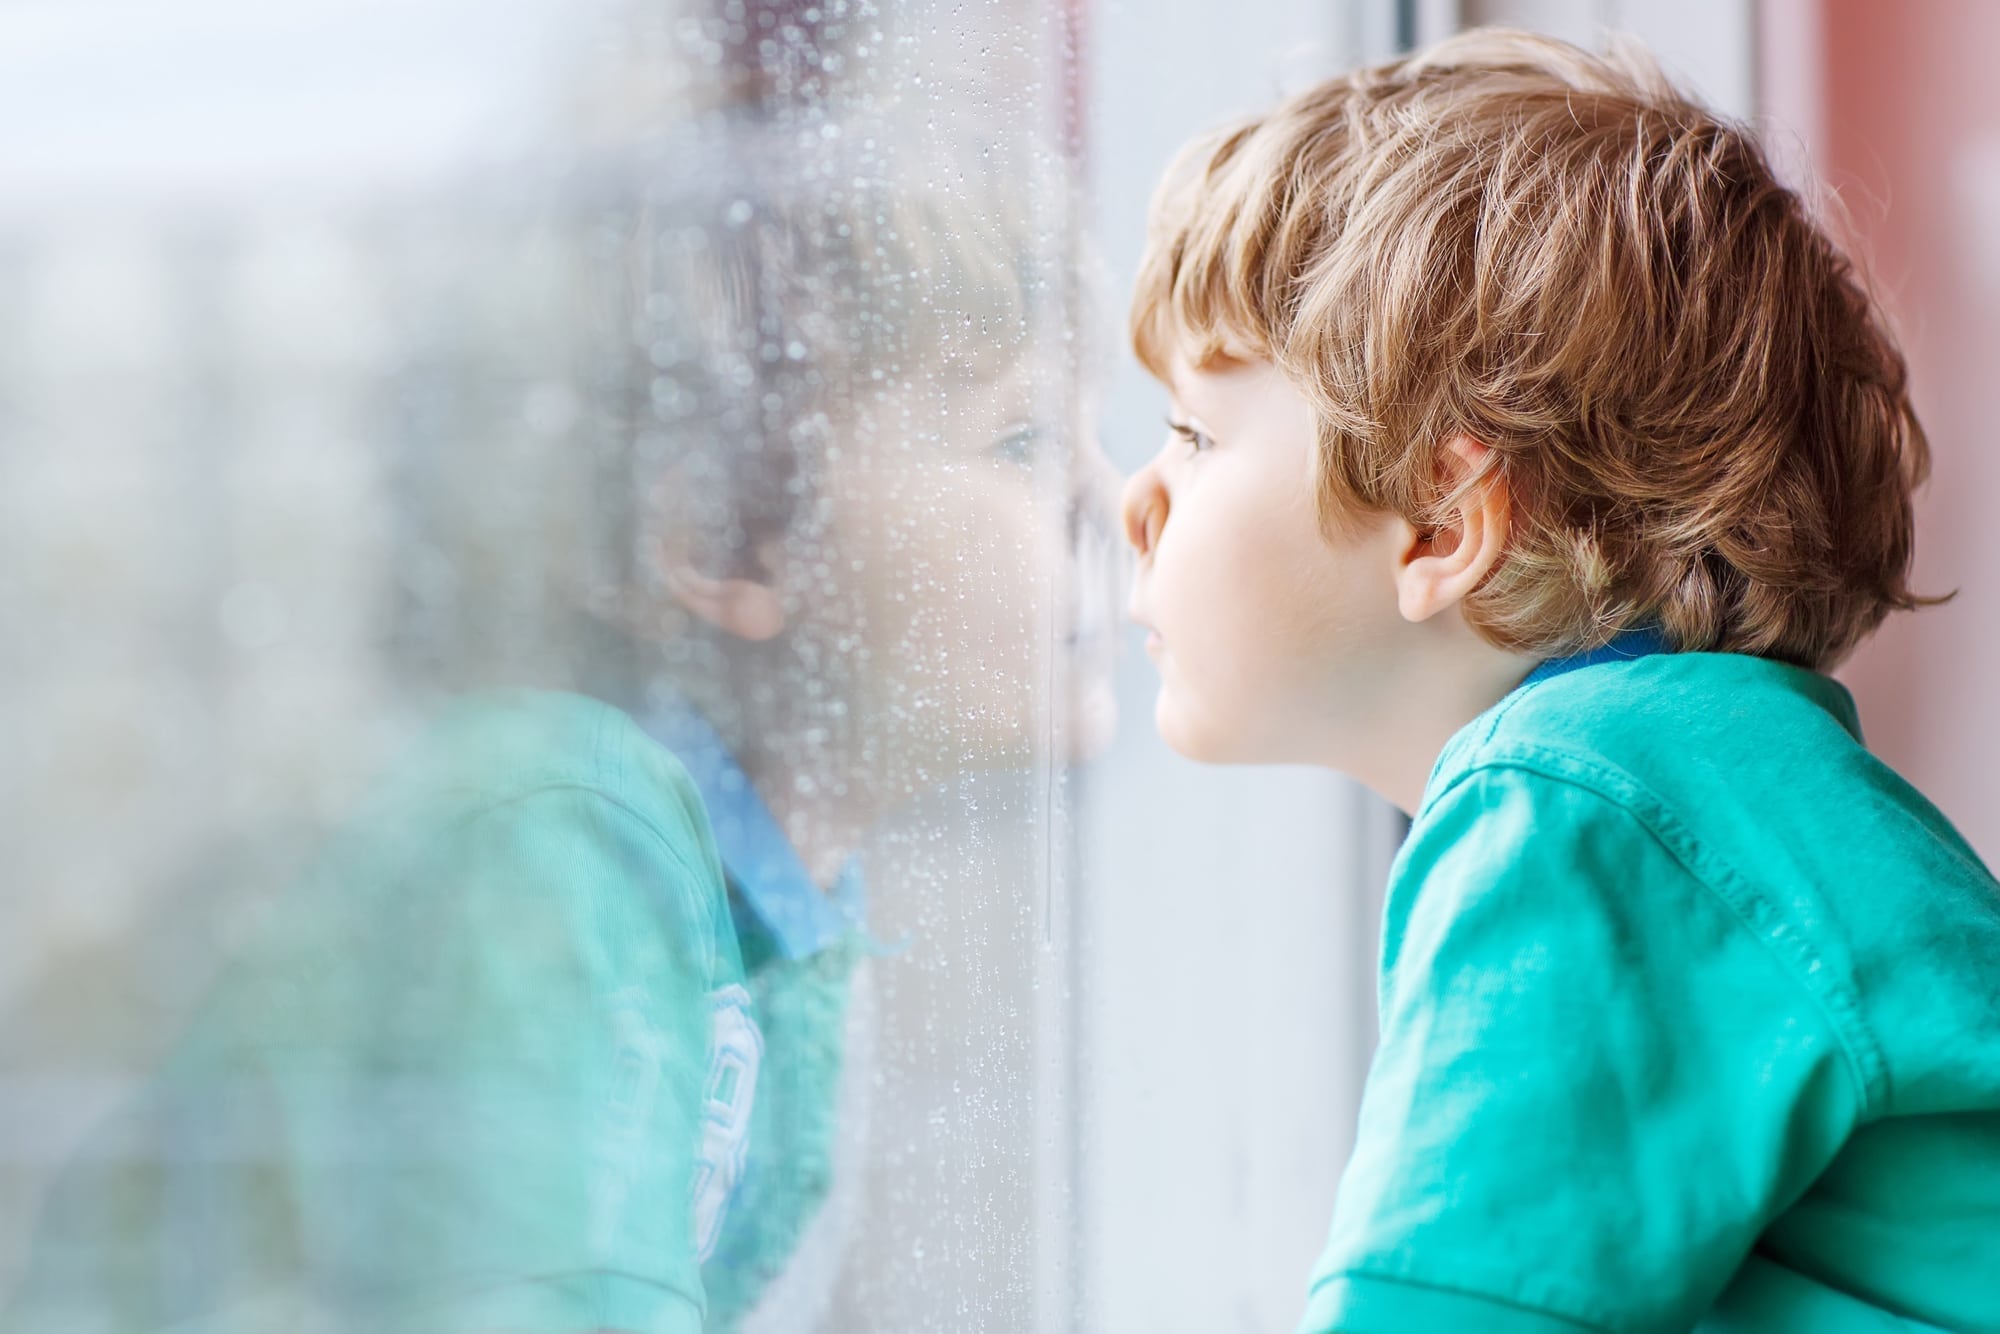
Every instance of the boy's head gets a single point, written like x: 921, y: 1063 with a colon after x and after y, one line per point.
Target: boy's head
x: 1554, y: 356
x: 861, y: 505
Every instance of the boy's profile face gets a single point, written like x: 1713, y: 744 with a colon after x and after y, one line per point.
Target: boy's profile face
x: 1272, y: 635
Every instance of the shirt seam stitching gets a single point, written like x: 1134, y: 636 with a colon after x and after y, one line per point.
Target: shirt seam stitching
x: 1833, y: 1000
x: 1494, y: 716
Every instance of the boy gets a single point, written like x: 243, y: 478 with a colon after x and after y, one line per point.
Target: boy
x: 1533, y: 454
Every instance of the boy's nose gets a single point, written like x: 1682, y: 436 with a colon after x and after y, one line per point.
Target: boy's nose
x: 1145, y: 510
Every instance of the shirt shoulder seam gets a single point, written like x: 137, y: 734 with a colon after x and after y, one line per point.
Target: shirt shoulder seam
x: 597, y: 790
x: 1751, y: 910
x: 1471, y: 747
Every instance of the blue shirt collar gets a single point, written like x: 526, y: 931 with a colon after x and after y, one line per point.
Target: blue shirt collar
x: 763, y: 867
x: 1627, y: 646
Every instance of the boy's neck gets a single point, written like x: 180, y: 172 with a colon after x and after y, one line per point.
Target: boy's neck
x: 823, y: 798
x: 827, y: 806
x: 1453, y: 678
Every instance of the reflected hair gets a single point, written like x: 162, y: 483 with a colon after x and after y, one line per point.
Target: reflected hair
x: 791, y: 289
x: 1701, y: 417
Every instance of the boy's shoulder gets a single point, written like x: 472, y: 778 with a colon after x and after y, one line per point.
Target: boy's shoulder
x: 501, y: 745
x: 1642, y: 721
x: 487, y: 754
x: 527, y: 809
x: 1650, y: 904
x: 1676, y: 733
x: 1744, y: 767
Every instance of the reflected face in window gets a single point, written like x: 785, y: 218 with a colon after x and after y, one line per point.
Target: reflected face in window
x: 968, y: 531
x: 1270, y: 632
x: 872, y: 483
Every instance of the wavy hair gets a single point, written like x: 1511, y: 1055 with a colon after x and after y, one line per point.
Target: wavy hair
x: 1700, y: 414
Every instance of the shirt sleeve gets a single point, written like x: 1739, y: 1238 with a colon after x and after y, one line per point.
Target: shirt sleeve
x: 508, y: 1128
x: 1598, y: 1080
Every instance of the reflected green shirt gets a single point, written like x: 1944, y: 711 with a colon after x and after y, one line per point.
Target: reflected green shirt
x: 1690, y: 1019
x: 495, y: 1063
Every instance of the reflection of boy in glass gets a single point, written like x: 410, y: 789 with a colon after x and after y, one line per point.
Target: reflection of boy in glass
x: 864, y: 550
x: 551, y: 1036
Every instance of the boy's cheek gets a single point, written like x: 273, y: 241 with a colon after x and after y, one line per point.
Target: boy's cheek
x: 1240, y: 671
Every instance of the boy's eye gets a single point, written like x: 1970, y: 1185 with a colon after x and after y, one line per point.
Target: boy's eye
x: 1019, y: 444
x: 1196, y: 441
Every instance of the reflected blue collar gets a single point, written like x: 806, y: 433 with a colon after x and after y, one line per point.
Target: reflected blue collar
x: 763, y: 867
x: 1632, y: 644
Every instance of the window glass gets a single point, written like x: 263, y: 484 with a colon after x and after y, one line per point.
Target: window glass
x: 554, y: 574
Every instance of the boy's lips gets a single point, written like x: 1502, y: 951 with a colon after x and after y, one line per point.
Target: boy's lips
x: 1153, y: 641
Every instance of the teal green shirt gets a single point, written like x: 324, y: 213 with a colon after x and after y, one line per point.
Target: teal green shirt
x: 511, y: 1056
x: 1690, y: 1019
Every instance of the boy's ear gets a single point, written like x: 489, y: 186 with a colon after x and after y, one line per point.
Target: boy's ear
x: 743, y: 607
x: 1438, y: 567
x: 747, y: 602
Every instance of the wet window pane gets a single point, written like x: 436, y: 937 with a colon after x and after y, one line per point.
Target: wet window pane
x: 555, y: 578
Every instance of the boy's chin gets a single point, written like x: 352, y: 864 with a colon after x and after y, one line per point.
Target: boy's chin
x: 1195, y: 737
x: 1210, y: 737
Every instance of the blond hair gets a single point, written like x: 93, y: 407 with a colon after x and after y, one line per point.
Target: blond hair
x: 1700, y: 416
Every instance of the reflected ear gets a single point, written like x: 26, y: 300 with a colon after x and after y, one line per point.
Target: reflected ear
x: 738, y: 605
x: 1439, y: 567
x: 745, y: 604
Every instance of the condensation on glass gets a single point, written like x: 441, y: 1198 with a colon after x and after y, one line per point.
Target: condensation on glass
x: 552, y: 574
